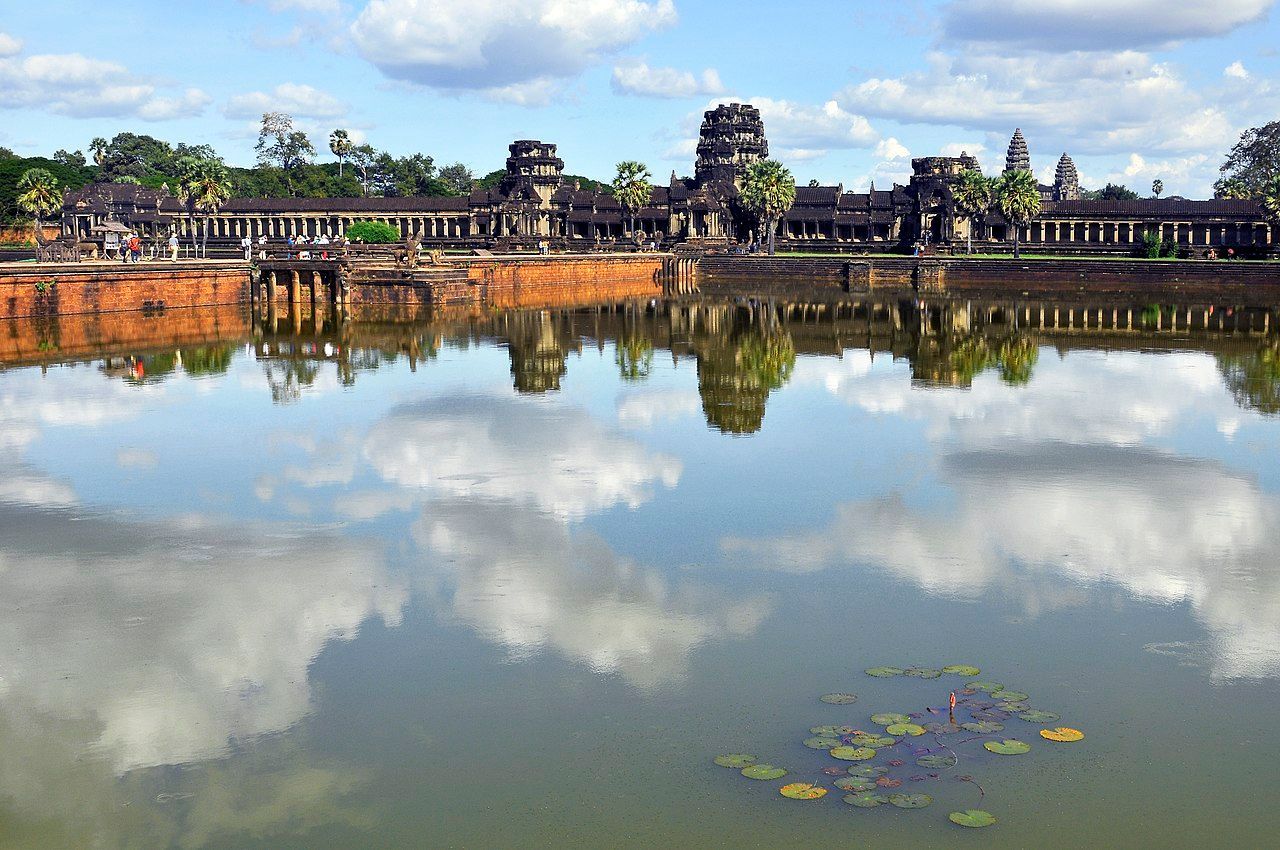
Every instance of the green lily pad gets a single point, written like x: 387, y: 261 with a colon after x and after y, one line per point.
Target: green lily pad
x: 1014, y: 707
x: 865, y: 800
x: 973, y: 818
x: 889, y: 719
x: 922, y: 672
x: 839, y: 699
x: 764, y: 772
x: 738, y: 760
x: 884, y: 672
x: 856, y: 784
x: 911, y: 729
x: 853, y: 753
x: 1010, y: 696
x: 941, y: 728
x: 1035, y: 715
x: 961, y: 670
x: 831, y: 731
x: 983, y: 727
x: 937, y: 762
x: 1007, y: 747
x: 910, y: 801
x: 989, y: 687
x: 821, y: 743
x: 867, y: 771
x: 875, y: 742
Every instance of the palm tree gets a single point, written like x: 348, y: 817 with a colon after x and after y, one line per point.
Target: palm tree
x: 205, y: 187
x: 1157, y: 186
x: 632, y: 188
x: 38, y: 194
x: 1017, y: 197
x: 1232, y: 188
x: 768, y: 192
x: 341, y: 145
x: 973, y: 196
x: 1271, y: 202
x: 99, y: 148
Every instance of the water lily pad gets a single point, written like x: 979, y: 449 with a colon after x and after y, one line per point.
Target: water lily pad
x: 802, y: 791
x: 875, y: 742
x: 853, y: 753
x: 1037, y: 716
x: 905, y: 729
x: 887, y: 782
x: 941, y: 728
x: 996, y: 714
x: 821, y: 743
x: 922, y: 672
x: 983, y: 727
x: 910, y: 801
x: 884, y: 672
x: 989, y: 687
x: 937, y: 762
x: 889, y: 719
x: 1014, y: 707
x: 1010, y: 696
x: 961, y: 670
x: 831, y: 731
x: 738, y: 760
x: 1062, y: 734
x: 867, y: 771
x: 973, y: 818
x: 764, y: 772
x: 1007, y: 747
x: 856, y: 784
x: 865, y: 800
x: 839, y: 699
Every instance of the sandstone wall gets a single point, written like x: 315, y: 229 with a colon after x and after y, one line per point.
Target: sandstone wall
x: 564, y: 281
x: 45, y: 290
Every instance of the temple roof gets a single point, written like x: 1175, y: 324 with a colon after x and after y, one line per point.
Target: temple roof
x: 1155, y: 207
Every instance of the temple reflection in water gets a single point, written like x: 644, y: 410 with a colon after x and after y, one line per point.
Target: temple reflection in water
x: 742, y: 350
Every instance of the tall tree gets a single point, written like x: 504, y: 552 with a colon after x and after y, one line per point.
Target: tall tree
x: 1017, y: 197
x: 280, y: 145
x: 72, y: 159
x: 204, y: 187
x: 340, y: 145
x: 1254, y: 160
x: 973, y: 195
x: 363, y: 158
x: 1230, y: 188
x: 769, y: 191
x: 632, y: 188
x: 38, y: 195
x: 1157, y: 187
x: 1271, y: 202
x: 458, y: 178
x: 99, y: 149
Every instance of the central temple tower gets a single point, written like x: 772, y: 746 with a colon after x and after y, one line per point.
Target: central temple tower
x: 533, y: 172
x: 731, y: 138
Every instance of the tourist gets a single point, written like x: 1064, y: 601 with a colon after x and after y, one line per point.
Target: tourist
x: 288, y: 251
x: 135, y: 247
x: 323, y: 239
x: 262, y: 246
x: 303, y: 240
x: 173, y: 247
x: 246, y: 245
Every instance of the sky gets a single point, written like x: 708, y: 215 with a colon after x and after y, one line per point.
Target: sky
x: 849, y: 91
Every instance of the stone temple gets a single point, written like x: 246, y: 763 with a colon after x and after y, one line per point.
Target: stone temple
x: 534, y: 204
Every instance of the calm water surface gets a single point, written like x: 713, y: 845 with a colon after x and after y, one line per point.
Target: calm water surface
x: 516, y: 580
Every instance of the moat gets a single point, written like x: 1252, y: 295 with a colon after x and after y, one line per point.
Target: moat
x: 478, y: 578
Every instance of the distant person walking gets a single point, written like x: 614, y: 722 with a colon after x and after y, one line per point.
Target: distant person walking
x: 173, y: 247
x: 246, y: 245
x: 135, y: 247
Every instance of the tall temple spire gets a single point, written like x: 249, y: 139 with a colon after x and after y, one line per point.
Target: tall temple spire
x: 1018, y: 158
x: 1066, y: 181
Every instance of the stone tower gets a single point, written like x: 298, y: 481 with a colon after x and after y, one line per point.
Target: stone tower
x: 731, y: 138
x: 533, y: 172
x: 1066, y: 183
x: 1018, y: 158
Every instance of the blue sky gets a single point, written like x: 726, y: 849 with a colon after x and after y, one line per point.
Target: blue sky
x: 1133, y: 89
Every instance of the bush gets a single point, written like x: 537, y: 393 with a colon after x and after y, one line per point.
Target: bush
x: 1152, y: 246
x: 373, y: 232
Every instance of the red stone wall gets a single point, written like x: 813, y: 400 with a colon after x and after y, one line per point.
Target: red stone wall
x: 73, y: 289
x: 564, y: 281
x: 20, y: 234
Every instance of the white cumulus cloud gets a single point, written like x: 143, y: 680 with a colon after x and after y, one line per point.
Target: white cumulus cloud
x: 82, y: 87
x: 490, y: 45
x: 297, y: 99
x: 637, y: 77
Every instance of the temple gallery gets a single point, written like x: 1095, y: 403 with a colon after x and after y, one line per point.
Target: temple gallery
x: 534, y: 205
